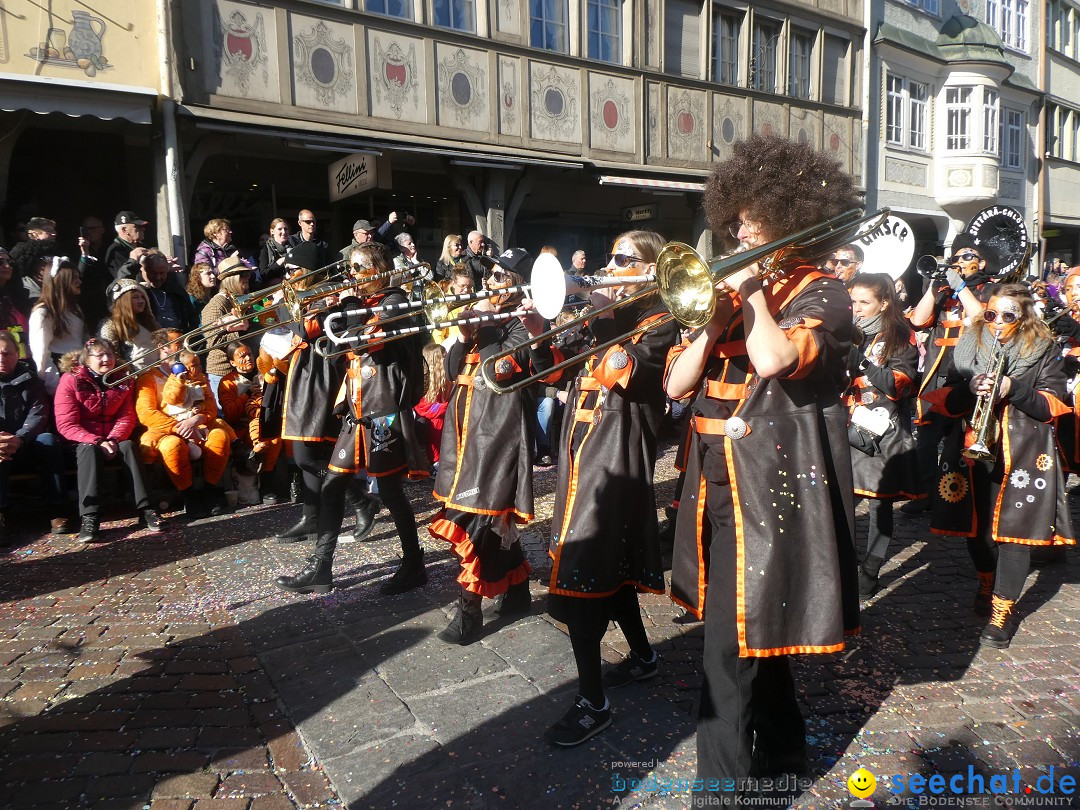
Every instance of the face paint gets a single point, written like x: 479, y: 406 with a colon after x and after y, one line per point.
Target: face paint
x: 998, y: 311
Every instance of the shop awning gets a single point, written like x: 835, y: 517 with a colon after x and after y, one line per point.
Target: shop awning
x: 76, y: 98
x: 651, y: 182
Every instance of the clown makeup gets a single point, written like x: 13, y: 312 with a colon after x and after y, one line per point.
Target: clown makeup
x: 968, y: 261
x: 623, y: 261
x: 242, y: 361
x: 1002, y: 317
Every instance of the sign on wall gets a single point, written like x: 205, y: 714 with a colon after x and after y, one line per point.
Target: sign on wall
x: 352, y: 175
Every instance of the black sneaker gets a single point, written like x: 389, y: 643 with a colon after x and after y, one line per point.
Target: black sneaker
x: 545, y: 461
x: 579, y: 724
x: 151, y: 520
x: 630, y: 669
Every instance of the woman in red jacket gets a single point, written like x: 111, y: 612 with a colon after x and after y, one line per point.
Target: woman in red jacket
x: 99, y: 420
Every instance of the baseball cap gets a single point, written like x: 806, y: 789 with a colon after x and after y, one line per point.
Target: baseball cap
x: 514, y: 259
x: 362, y: 225
x: 129, y: 218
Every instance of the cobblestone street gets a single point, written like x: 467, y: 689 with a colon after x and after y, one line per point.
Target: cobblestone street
x: 167, y: 671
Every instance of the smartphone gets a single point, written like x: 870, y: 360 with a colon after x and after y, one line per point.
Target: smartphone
x: 84, y: 233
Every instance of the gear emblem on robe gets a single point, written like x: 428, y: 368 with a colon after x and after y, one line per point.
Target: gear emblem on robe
x: 1020, y: 479
x: 1044, y: 462
x: 953, y: 487
x: 504, y: 366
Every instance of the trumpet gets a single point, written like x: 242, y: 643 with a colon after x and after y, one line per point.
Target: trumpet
x: 687, y: 284
x: 983, y: 421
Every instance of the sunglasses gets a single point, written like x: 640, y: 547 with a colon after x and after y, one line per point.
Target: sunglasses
x: 307, y: 222
x: 621, y: 259
x: 842, y: 262
x: 499, y: 276
x: 1007, y: 317
x: 967, y: 256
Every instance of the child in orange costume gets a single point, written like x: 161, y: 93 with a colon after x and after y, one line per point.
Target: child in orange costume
x: 241, y: 396
x: 167, y: 438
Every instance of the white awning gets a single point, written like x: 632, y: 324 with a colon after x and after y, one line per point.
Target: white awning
x: 649, y: 182
x: 76, y: 98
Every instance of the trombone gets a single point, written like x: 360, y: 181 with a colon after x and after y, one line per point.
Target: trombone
x: 687, y: 283
x: 549, y: 288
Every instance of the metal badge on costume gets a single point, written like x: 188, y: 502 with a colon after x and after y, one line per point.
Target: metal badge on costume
x: 1004, y: 230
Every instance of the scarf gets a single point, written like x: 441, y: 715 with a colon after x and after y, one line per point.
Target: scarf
x: 971, y: 357
x: 870, y: 326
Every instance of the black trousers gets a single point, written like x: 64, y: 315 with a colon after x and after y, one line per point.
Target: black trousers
x: 90, y: 459
x: 927, y: 439
x: 748, y: 706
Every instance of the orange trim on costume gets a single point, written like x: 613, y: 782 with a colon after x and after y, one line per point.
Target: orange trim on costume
x: 937, y: 398
x: 588, y: 384
x: 803, y: 338
x: 740, y: 549
x: 580, y: 595
x: 909, y: 496
x: 783, y: 296
x: 472, y: 358
x: 943, y: 341
x: 555, y: 376
x: 571, y: 493
x: 1057, y: 407
x: 715, y: 389
x: 712, y: 427
x: 950, y: 323
x: 799, y: 649
x: 608, y: 375
x: 1056, y: 540
x: 468, y: 578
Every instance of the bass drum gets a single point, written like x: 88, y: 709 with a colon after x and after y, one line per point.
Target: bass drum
x: 1004, y: 230
x: 888, y: 248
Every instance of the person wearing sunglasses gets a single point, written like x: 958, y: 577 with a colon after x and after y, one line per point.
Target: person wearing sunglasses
x: 948, y: 306
x: 307, y: 233
x: 485, y: 481
x: 377, y: 436
x: 845, y: 263
x: 606, y: 545
x: 764, y: 541
x: 1016, y: 499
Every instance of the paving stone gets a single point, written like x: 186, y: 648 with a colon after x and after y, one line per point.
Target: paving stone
x: 191, y: 785
x: 311, y: 788
x: 248, y: 784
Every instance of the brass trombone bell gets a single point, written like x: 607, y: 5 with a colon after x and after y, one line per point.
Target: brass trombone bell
x: 687, y: 282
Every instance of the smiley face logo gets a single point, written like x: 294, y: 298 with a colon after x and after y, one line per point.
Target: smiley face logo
x: 862, y: 783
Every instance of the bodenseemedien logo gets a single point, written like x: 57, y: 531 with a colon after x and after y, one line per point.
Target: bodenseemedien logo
x: 862, y: 785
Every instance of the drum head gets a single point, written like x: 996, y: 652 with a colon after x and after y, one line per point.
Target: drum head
x: 548, y: 285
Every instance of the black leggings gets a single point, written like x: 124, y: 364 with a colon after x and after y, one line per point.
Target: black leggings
x: 587, y: 627
x: 312, y: 458
x: 332, y: 510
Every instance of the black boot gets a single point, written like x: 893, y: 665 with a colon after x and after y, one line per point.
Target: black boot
x: 868, y: 577
x: 364, y: 507
x: 266, y: 489
x: 302, y: 530
x: 215, y: 499
x: 194, y: 505
x: 464, y: 628
x: 296, y: 487
x: 315, y: 577
x: 410, y: 574
x: 517, y: 601
x: 88, y: 530
x: 1002, y: 625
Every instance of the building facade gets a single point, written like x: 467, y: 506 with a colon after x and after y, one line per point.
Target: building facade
x: 536, y: 121
x: 953, y: 112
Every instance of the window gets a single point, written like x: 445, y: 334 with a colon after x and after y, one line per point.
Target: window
x: 763, y: 55
x: 1009, y: 19
x: 726, y: 30
x: 682, y: 45
x: 905, y: 112
x: 958, y: 115
x: 835, y: 73
x: 800, y: 53
x: 1012, y: 139
x: 391, y: 8
x: 990, y: 121
x: 605, y: 30
x: 547, y: 25
x: 894, y: 110
x: 457, y: 14
x: 929, y: 6
x: 917, y: 117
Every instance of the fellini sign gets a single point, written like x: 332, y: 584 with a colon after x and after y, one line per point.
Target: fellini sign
x: 352, y: 175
